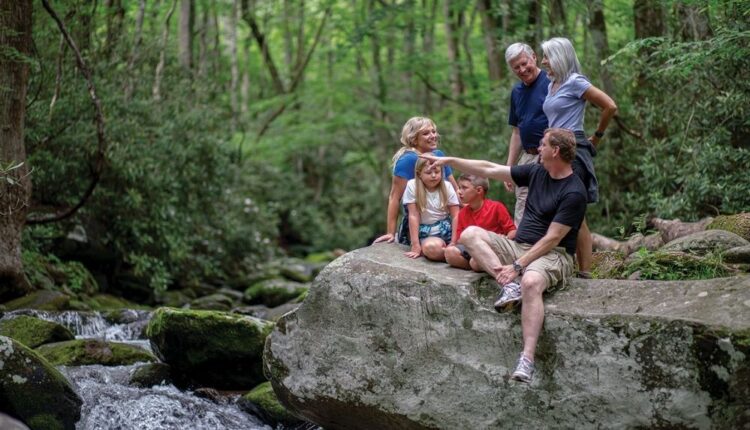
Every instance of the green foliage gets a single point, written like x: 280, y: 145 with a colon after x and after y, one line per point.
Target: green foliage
x: 695, y: 153
x: 674, y: 266
x: 49, y: 272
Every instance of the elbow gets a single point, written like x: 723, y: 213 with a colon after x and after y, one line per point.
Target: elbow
x: 612, y: 108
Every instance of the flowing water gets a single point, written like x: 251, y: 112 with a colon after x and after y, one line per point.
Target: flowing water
x: 109, y: 403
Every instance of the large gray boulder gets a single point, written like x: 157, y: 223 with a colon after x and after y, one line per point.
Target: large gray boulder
x: 706, y: 241
x: 383, y: 341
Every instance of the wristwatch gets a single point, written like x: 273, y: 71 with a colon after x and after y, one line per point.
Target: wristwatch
x: 599, y: 134
x: 517, y: 267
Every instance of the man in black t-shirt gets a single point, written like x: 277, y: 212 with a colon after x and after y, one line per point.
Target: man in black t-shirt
x: 541, y: 255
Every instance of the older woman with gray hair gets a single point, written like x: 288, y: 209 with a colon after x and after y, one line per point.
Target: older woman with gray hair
x: 565, y: 104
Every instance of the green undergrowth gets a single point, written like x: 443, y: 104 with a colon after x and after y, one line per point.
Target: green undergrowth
x: 673, y: 266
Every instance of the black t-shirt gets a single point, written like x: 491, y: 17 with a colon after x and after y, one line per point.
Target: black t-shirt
x: 550, y: 200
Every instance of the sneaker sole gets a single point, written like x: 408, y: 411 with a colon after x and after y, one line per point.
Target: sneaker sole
x: 505, y: 307
x: 520, y: 378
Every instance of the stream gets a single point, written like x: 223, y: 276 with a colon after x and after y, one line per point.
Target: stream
x: 109, y: 403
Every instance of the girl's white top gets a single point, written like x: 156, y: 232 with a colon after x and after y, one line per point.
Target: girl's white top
x: 432, y: 213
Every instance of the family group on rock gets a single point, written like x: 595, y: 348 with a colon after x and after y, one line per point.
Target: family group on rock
x: 550, y: 167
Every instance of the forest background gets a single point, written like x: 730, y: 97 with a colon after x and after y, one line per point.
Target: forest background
x: 237, y: 130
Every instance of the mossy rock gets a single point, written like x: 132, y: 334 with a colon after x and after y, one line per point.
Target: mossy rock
x: 42, y: 300
x: 296, y: 270
x: 49, y: 272
x: 262, y: 401
x: 320, y: 257
x: 274, y: 292
x: 704, y: 242
x: 738, y: 224
x: 81, y: 352
x: 176, y: 298
x: 151, y: 374
x: 738, y: 255
x: 34, y: 391
x: 101, y: 302
x: 213, y: 302
x: 209, y: 348
x: 33, y: 332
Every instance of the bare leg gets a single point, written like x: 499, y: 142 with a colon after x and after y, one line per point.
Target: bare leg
x: 454, y: 258
x: 584, y: 248
x: 433, y: 249
x: 476, y: 242
x: 533, y: 285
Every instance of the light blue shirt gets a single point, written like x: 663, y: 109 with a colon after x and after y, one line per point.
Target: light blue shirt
x: 566, y: 107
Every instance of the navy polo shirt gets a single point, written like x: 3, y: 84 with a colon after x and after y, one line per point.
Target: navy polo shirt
x: 526, y: 110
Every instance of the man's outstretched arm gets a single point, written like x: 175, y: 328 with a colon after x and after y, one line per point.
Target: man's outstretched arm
x: 484, y: 168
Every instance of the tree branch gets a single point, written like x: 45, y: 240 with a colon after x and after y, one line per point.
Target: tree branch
x: 297, y: 77
x: 97, y: 166
x: 445, y: 96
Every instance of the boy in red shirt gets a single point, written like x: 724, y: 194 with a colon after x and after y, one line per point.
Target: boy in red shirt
x: 485, y: 213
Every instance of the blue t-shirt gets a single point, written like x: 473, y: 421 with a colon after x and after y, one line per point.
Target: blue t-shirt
x: 550, y: 200
x: 405, y: 165
x: 526, y: 111
x: 566, y: 107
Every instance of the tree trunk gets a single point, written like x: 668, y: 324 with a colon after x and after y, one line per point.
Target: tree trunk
x: 453, y: 22
x: 694, y: 21
x: 379, y: 78
x: 15, y: 185
x: 156, y: 89
x: 428, y: 47
x: 534, y: 29
x: 249, y: 17
x: 203, y: 44
x: 235, y: 70
x: 557, y: 19
x: 115, y: 15
x: 286, y: 26
x: 137, y: 38
x: 409, y: 51
x: 82, y: 28
x: 491, y: 32
x: 187, y: 22
x: 598, y: 29
x: 648, y: 16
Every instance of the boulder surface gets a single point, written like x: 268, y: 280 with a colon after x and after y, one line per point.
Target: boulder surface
x: 383, y: 341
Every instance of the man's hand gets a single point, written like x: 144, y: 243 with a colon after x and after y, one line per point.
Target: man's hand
x: 506, y: 274
x: 509, y: 186
x: 434, y: 161
x: 387, y: 238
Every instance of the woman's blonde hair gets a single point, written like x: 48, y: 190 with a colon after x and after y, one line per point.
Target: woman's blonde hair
x: 409, y: 135
x: 421, y: 192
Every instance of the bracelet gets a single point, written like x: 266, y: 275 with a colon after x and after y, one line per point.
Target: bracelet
x: 599, y: 134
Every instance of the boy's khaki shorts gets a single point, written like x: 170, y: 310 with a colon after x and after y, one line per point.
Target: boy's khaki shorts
x: 555, y: 266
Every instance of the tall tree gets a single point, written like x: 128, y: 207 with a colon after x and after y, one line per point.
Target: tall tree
x: 187, y: 22
x: 135, y: 51
x: 693, y: 20
x: 454, y: 17
x: 15, y: 185
x: 491, y: 26
x: 648, y: 18
x: 115, y: 14
x: 156, y: 88
x: 557, y: 19
x: 598, y: 27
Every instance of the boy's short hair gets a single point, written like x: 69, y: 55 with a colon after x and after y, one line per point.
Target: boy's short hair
x: 477, y: 181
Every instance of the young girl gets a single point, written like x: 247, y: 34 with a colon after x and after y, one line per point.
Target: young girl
x: 419, y: 135
x: 433, y: 208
